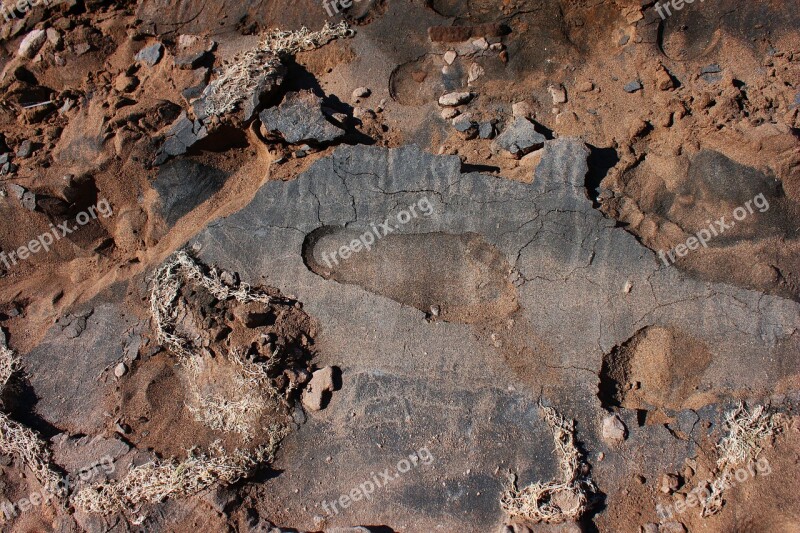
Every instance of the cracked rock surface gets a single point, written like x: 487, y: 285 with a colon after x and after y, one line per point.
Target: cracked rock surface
x: 559, y: 284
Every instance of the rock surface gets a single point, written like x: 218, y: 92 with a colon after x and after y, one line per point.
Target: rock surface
x: 299, y: 118
x: 519, y: 138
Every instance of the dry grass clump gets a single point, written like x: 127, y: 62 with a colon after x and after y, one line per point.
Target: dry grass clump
x: 158, y: 480
x: 241, y: 414
x: 251, y: 382
x: 747, y: 431
x: 20, y: 441
x: 241, y: 77
x: 553, y: 501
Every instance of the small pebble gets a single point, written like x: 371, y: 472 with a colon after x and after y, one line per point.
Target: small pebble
x: 361, y: 92
x: 120, y: 370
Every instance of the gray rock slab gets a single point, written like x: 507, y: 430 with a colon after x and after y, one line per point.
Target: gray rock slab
x: 182, y: 135
x: 150, y: 55
x: 70, y: 374
x: 462, y: 388
x: 568, y: 265
x: 299, y: 118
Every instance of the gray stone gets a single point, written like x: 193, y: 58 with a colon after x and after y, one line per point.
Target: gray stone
x: 150, y: 55
x: 182, y: 135
x: 299, y: 118
x: 407, y: 382
x: 633, y: 86
x: 25, y: 149
x: 82, y: 453
x: 17, y: 190
x: 66, y: 379
x: 463, y: 123
x: 486, y: 130
x: 711, y: 69
x: 29, y: 201
x: 520, y: 138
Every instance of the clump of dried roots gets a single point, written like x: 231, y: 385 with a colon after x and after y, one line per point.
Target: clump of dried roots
x: 239, y: 414
x: 747, y: 431
x: 158, y: 480
x: 241, y: 77
x: 558, y: 500
x: 20, y: 441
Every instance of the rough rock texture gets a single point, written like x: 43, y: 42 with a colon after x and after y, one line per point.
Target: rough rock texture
x: 520, y: 137
x: 299, y: 118
x: 566, y: 267
x: 176, y: 198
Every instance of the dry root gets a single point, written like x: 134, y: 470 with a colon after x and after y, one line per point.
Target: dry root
x: 553, y: 501
x: 238, y: 414
x: 156, y: 481
x: 241, y: 78
x: 20, y: 441
x: 747, y: 430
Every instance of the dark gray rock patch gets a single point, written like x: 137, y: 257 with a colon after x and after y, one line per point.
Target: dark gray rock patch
x: 299, y: 118
x: 184, y: 184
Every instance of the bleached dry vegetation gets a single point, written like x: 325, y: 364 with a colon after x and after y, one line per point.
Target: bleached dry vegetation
x: 242, y: 76
x: 161, y: 479
x: 747, y: 432
x: 19, y: 441
x: 156, y: 481
x: 252, y: 384
x: 554, y: 501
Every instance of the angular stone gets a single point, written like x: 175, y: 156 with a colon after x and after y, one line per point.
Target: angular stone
x: 150, y: 55
x: 318, y: 392
x: 519, y: 138
x: 463, y: 123
x: 182, y: 135
x: 299, y: 119
x: 184, y: 184
x: 455, y: 99
x: 31, y: 44
x: 614, y: 430
x: 633, y: 86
